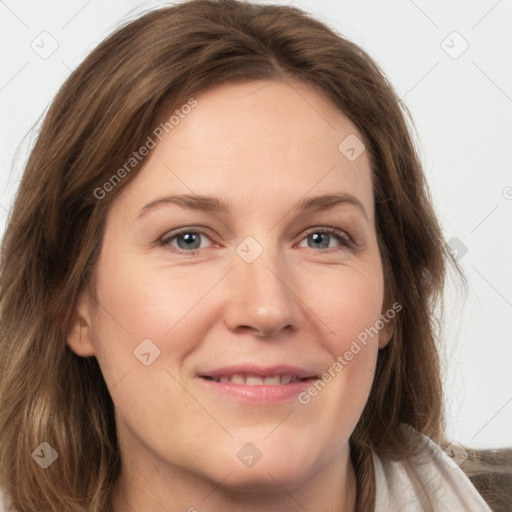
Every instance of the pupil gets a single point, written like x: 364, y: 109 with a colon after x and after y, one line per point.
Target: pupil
x: 189, y: 239
x: 317, y: 238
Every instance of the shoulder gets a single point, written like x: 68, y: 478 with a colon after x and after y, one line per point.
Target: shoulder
x: 428, y: 480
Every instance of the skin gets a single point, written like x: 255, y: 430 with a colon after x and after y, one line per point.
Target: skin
x: 260, y: 146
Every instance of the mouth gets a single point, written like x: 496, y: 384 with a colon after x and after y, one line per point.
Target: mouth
x: 256, y: 384
x: 255, y: 380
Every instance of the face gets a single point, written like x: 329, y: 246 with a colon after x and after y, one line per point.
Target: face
x: 218, y: 319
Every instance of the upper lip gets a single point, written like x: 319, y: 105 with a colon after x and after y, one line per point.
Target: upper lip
x: 260, y: 371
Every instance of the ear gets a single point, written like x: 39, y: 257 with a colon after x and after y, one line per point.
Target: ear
x: 385, y: 335
x: 79, y: 338
x: 388, y: 317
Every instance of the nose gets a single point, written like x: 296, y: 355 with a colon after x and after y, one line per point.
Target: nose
x: 261, y: 297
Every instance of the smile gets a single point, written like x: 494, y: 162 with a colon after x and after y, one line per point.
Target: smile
x: 249, y: 383
x: 254, y: 380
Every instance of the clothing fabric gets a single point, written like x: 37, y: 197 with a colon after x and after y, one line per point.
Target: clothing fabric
x: 431, y: 481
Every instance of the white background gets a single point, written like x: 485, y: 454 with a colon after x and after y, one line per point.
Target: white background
x: 462, y: 109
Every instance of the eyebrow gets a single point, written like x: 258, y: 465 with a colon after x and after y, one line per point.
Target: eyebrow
x: 216, y: 205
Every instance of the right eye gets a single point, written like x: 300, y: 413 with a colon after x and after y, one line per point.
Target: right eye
x: 185, y: 241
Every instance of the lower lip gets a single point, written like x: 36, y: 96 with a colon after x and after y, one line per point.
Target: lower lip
x: 261, y: 393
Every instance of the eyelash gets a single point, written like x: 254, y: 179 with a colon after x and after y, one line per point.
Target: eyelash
x: 341, y: 236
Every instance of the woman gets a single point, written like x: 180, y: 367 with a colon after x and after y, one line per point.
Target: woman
x: 226, y: 262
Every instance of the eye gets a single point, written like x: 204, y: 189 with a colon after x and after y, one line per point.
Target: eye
x: 324, y: 238
x: 186, y: 241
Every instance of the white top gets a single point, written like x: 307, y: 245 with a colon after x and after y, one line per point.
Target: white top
x: 408, y: 486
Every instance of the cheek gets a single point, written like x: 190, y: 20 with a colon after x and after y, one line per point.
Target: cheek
x: 139, y: 303
x: 349, y: 303
x: 349, y: 308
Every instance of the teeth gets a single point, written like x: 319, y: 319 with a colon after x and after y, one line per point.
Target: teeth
x: 254, y: 380
x: 238, y: 379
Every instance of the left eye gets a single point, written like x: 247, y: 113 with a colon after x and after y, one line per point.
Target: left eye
x: 322, y: 238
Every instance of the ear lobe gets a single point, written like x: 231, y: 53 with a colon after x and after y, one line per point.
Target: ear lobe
x: 385, y: 333
x: 388, y: 318
x: 79, y: 338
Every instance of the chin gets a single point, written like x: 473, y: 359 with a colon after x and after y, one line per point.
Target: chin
x: 288, y: 465
x: 267, y: 478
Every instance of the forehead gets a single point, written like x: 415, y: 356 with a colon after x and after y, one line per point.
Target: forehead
x: 261, y: 138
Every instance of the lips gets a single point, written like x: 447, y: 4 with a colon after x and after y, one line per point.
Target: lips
x: 251, y: 383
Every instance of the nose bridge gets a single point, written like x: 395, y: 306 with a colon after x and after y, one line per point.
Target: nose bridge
x: 260, y: 295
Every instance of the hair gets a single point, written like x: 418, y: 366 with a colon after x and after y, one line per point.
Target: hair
x: 103, y: 112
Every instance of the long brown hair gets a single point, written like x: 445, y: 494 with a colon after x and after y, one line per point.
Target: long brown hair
x: 104, y: 112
